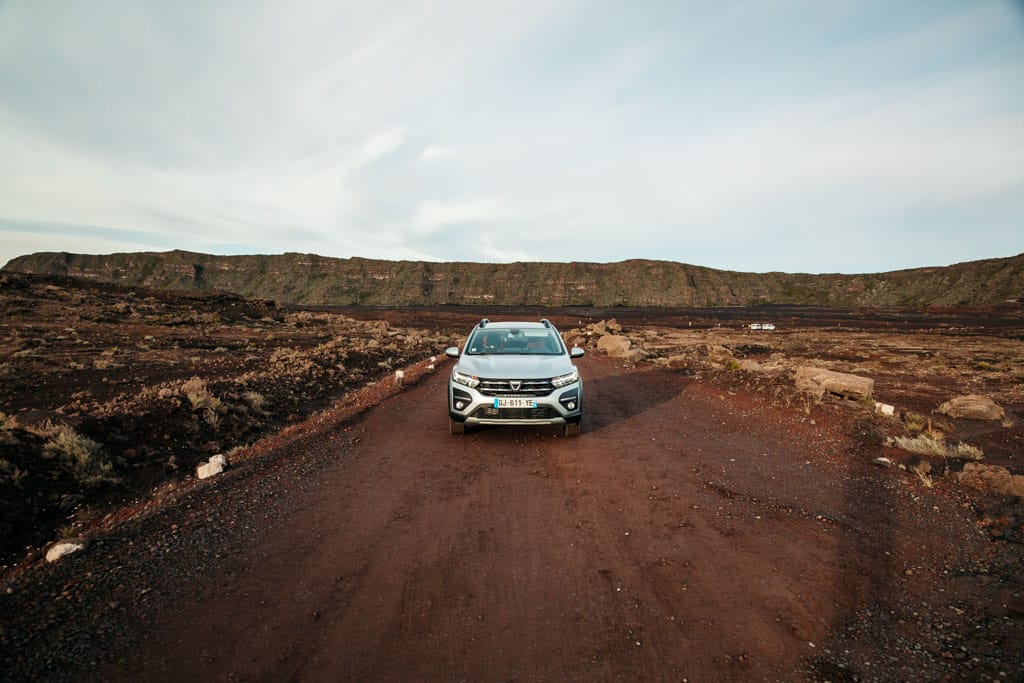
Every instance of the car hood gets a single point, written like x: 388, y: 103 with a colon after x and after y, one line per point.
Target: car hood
x: 515, y: 367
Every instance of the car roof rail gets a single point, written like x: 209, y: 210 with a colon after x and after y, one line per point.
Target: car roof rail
x: 483, y: 323
x: 545, y: 322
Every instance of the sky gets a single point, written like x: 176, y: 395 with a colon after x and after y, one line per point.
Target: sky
x: 750, y: 135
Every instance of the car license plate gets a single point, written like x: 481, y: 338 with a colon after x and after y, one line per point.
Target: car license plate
x: 514, y: 402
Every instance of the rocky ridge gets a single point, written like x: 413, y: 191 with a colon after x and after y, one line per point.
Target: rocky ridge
x: 318, y: 280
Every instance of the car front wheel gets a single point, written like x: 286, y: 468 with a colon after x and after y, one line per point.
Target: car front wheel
x: 456, y: 427
x: 571, y: 429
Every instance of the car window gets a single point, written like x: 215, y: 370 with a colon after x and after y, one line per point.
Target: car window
x: 530, y: 341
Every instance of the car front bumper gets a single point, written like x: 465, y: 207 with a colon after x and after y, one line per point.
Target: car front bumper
x: 469, y: 406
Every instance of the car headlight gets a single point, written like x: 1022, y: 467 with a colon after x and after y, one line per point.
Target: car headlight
x: 566, y: 380
x: 463, y: 378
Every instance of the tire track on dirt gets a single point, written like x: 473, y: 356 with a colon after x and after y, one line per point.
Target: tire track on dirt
x: 687, y: 533
x: 515, y: 553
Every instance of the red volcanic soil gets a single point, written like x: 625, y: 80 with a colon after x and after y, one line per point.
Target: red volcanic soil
x: 709, y: 524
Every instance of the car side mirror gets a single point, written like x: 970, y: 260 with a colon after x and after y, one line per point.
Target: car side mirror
x: 452, y: 352
x: 576, y: 352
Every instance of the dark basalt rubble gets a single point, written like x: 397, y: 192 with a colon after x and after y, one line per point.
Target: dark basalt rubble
x: 108, y: 391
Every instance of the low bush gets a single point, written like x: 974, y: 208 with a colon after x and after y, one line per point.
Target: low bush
x: 965, y: 451
x: 79, y: 455
x: 199, y: 396
x: 915, y: 422
x: 923, y: 444
x: 255, y: 400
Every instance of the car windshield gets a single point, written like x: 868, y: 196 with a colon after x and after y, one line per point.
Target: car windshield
x: 511, y: 340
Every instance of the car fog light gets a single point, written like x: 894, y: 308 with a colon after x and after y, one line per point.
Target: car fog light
x: 571, y: 405
x: 459, y: 405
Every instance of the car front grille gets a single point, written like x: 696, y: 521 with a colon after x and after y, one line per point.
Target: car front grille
x: 492, y: 413
x: 504, y: 387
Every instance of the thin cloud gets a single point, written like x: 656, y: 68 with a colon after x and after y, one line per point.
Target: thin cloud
x: 436, y: 152
x: 750, y: 136
x: 434, y: 214
x: 379, y: 145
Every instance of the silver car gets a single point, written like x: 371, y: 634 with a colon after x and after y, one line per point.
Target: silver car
x: 515, y: 373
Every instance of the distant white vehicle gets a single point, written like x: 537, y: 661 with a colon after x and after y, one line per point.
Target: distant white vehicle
x: 762, y: 326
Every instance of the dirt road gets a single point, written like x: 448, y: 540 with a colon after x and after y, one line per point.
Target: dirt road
x: 688, y: 533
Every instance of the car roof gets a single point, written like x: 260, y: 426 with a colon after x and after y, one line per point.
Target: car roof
x: 502, y: 323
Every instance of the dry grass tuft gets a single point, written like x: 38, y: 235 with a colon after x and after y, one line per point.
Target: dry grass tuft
x: 199, y: 396
x: 922, y: 470
x: 915, y: 422
x: 925, y: 444
x: 11, y: 473
x: 965, y: 451
x: 255, y: 400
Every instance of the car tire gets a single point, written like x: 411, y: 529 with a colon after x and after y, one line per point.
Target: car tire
x: 571, y: 429
x: 456, y: 427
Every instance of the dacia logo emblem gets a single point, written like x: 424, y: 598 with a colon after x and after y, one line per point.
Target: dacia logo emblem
x: 515, y: 384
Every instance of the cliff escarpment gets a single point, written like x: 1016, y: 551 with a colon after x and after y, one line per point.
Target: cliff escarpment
x: 319, y: 280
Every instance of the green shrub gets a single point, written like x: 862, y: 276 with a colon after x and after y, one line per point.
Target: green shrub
x: 72, y: 448
x: 79, y: 455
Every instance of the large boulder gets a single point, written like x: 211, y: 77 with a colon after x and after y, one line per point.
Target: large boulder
x: 616, y: 346
x: 716, y: 353
x: 635, y: 355
x: 992, y: 478
x: 972, y: 407
x: 677, y: 361
x: 605, y: 327
x: 818, y: 381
